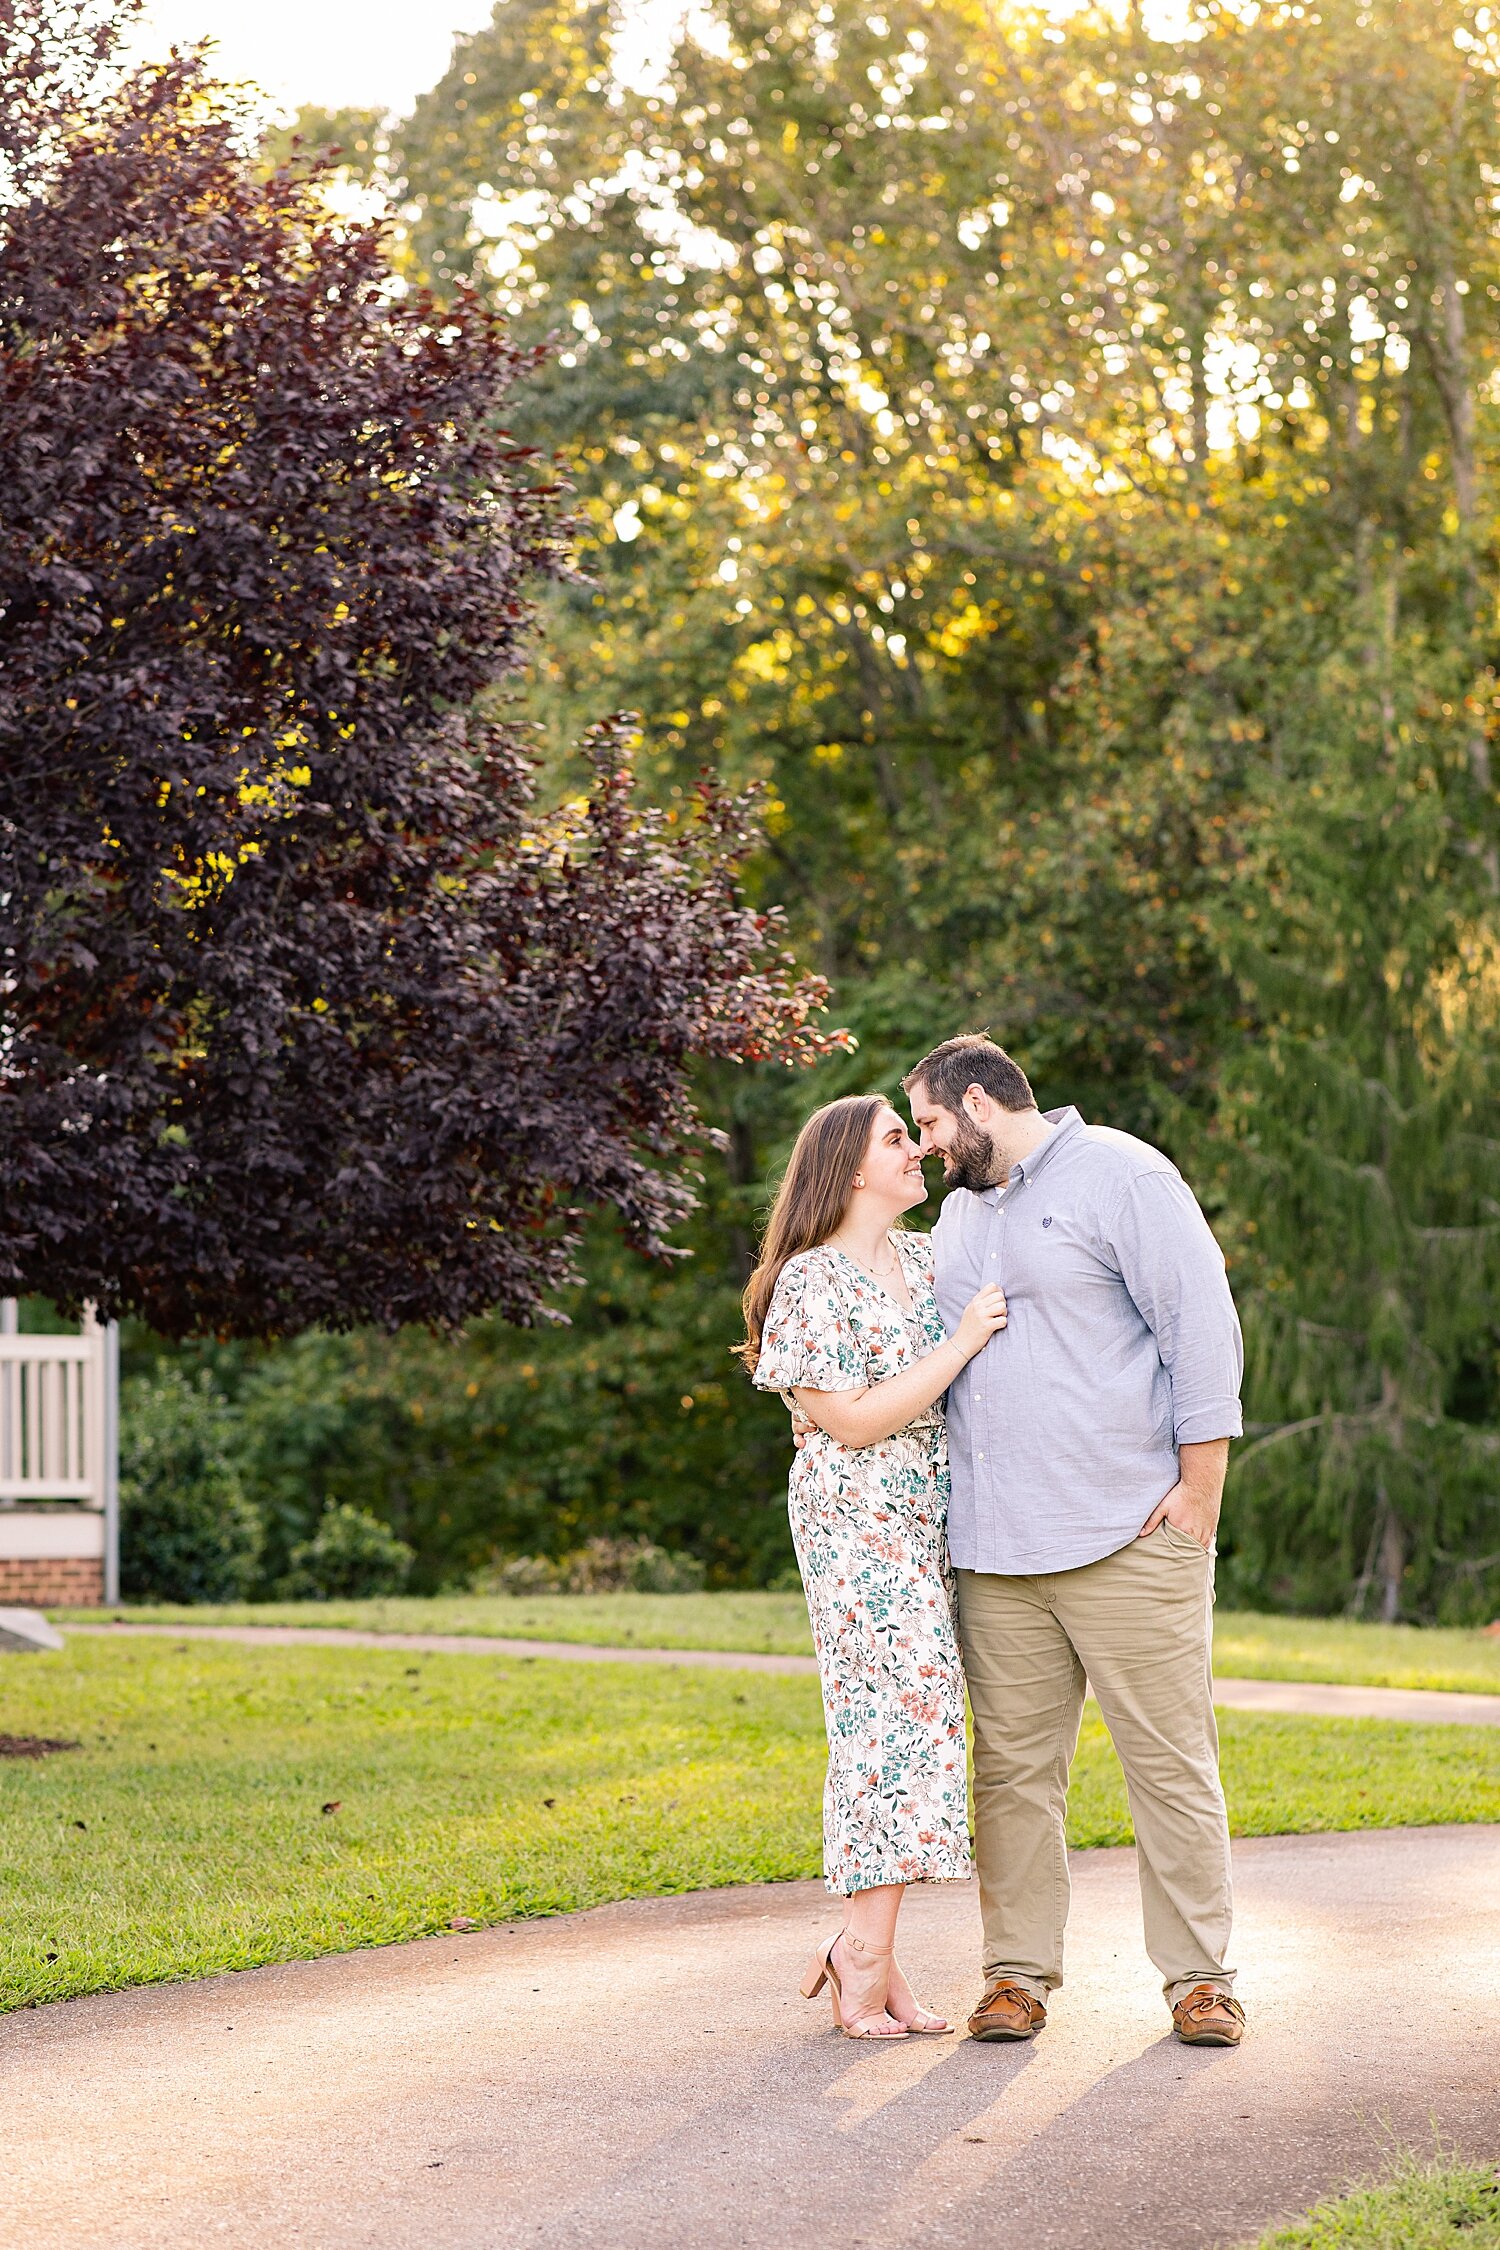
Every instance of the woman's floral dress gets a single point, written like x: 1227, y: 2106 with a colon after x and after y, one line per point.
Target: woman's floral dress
x: 870, y: 1527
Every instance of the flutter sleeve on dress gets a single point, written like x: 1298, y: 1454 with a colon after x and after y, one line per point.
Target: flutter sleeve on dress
x: 807, y: 1340
x: 918, y: 1247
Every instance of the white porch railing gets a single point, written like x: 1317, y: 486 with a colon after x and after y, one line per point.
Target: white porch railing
x: 59, y: 1442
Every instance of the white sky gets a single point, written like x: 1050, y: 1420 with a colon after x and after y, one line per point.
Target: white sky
x: 380, y: 54
x: 375, y: 54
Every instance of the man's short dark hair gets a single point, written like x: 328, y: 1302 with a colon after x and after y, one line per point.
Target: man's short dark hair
x: 971, y: 1060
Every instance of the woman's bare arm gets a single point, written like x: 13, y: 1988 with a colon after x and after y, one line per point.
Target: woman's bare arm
x: 881, y: 1409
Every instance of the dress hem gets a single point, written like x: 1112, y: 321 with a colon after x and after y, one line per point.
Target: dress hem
x: 876, y: 1882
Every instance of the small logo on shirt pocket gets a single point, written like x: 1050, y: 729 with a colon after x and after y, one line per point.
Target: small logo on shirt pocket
x: 1046, y: 1222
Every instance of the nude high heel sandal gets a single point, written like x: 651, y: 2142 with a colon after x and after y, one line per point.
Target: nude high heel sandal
x: 849, y: 2016
x: 919, y: 2021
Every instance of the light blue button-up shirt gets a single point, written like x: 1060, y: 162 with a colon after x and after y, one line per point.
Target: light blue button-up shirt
x: 1122, y: 1345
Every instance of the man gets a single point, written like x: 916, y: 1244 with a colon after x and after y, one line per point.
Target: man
x: 1088, y: 1445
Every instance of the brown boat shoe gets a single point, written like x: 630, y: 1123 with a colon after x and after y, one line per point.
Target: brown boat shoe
x: 1207, y: 2017
x: 1007, y: 2011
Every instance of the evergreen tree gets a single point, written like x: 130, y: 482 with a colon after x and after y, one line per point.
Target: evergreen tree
x: 1361, y: 1161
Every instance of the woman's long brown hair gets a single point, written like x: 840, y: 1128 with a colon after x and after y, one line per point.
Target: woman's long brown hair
x: 810, y: 1202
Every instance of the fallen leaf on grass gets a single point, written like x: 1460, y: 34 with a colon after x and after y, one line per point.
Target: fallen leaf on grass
x: 33, y: 1745
x: 334, y: 1804
x: 462, y: 1922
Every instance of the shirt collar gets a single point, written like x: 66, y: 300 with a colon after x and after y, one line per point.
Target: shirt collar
x: 1064, y: 1125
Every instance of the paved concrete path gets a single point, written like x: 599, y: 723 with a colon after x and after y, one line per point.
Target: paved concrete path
x: 1420, y: 1706
x: 645, y: 2078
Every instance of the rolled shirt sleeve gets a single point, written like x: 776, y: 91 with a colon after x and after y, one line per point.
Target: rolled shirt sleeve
x: 1175, y: 1273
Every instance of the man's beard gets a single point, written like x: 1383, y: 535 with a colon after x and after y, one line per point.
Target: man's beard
x: 971, y: 1161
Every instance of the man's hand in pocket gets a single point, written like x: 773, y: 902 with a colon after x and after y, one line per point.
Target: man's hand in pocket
x: 1178, y: 1509
x: 1194, y: 1501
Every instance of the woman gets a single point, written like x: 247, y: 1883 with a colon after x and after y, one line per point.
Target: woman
x: 840, y: 1318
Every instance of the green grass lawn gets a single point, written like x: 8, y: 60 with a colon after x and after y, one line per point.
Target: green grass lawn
x: 188, y: 1834
x: 1246, y: 1646
x: 1435, y: 2206
x: 1251, y: 1647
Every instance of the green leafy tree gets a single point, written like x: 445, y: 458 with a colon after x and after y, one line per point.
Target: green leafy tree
x: 837, y: 381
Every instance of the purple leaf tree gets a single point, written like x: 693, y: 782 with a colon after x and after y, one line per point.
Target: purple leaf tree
x: 308, y: 1011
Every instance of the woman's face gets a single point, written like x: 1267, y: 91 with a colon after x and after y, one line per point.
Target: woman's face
x: 891, y: 1167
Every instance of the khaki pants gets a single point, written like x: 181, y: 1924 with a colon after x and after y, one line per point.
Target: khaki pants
x: 1137, y: 1625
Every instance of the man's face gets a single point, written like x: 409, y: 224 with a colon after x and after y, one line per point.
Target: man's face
x: 970, y: 1158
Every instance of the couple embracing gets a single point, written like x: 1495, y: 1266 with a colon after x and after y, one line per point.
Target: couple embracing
x: 1063, y: 1348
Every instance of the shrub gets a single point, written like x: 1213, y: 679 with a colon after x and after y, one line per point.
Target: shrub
x: 187, y: 1531
x: 351, y: 1556
x: 643, y: 1568
x: 497, y: 1444
x: 521, y: 1574
x: 600, y: 1566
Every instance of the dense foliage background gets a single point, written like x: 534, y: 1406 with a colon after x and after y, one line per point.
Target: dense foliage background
x: 1058, y: 461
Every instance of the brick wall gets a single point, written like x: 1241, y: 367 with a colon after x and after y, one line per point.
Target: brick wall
x: 63, y: 1583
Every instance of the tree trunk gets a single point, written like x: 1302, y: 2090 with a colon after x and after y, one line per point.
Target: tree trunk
x: 739, y: 1163
x: 1392, y: 1566
x: 1448, y: 356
